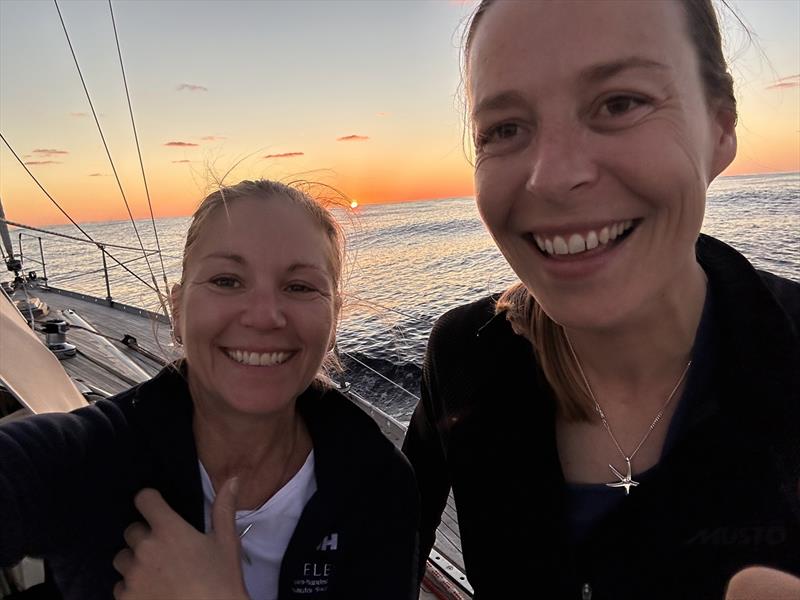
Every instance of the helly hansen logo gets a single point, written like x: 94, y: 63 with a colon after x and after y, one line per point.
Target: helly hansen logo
x: 329, y: 542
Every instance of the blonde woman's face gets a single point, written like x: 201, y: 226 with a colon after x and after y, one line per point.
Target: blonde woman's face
x: 595, y: 147
x: 257, y: 307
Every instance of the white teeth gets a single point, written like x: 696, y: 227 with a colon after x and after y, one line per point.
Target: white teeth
x: 256, y: 359
x: 576, y: 243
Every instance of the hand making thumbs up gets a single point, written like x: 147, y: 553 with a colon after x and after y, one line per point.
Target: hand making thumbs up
x: 171, y: 559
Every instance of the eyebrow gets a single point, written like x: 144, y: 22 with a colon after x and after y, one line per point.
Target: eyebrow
x: 592, y: 74
x: 603, y: 71
x: 300, y: 266
x: 226, y: 256
x: 240, y: 260
x: 498, y: 102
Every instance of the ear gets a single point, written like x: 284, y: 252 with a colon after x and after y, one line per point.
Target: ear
x: 175, y: 307
x: 724, y: 132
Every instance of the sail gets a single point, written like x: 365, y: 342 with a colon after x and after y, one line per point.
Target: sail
x: 29, y: 370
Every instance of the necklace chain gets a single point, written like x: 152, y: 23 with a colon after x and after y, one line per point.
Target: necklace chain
x: 277, y: 486
x: 603, y: 418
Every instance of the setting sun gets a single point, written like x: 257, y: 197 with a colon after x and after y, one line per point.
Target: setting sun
x: 354, y: 203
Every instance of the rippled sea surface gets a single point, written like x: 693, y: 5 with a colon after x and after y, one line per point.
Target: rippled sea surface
x: 411, y: 262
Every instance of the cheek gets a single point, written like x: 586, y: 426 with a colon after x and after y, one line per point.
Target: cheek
x: 491, y: 199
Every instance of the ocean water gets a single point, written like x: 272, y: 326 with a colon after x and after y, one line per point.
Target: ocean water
x: 411, y: 262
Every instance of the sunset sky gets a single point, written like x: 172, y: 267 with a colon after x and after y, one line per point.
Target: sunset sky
x: 361, y: 95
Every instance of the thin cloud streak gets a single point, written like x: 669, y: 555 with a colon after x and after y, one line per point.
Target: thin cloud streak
x: 79, y: 115
x: 180, y: 144
x: 783, y: 83
x: 185, y: 160
x: 353, y: 138
x: 49, y: 151
x: 43, y: 162
x: 284, y: 155
x: 95, y: 175
x: 190, y: 87
x: 211, y: 138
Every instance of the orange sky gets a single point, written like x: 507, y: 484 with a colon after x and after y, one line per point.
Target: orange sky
x: 377, y: 118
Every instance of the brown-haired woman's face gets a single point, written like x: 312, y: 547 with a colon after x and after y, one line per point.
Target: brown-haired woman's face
x: 257, y: 308
x: 595, y: 146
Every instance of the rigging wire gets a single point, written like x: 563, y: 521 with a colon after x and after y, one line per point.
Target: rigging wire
x: 73, y: 276
x: 426, y: 320
x: 138, y: 148
x: 379, y: 374
x: 83, y: 231
x: 73, y: 238
x: 155, y: 287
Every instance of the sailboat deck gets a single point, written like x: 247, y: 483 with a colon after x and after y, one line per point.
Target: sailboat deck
x: 152, y: 333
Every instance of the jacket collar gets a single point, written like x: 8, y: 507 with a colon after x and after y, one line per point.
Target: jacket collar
x: 339, y: 430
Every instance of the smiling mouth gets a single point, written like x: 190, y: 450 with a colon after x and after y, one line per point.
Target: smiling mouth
x: 258, y: 359
x: 576, y: 243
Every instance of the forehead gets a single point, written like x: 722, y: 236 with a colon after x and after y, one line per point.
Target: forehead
x: 546, y: 39
x: 263, y: 231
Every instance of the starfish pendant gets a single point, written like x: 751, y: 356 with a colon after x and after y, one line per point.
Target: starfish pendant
x: 625, y: 481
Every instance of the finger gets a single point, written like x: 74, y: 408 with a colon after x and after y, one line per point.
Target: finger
x: 135, y: 533
x: 223, y: 514
x: 156, y: 510
x: 123, y: 561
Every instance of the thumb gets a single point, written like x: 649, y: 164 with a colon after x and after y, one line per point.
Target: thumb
x: 223, y: 515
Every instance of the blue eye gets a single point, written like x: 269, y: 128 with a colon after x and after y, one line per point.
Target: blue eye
x: 496, y: 134
x: 226, y: 282
x: 621, y: 105
x: 300, y: 288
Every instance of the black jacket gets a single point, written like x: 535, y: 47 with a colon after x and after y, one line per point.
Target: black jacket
x: 67, y: 483
x: 724, y: 497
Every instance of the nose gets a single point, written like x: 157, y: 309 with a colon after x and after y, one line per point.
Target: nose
x: 264, y: 310
x: 563, y: 163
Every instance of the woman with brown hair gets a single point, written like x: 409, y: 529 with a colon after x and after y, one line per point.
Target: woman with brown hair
x: 623, y: 423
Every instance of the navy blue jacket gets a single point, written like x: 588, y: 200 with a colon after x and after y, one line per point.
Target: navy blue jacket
x: 67, y: 483
x: 725, y: 496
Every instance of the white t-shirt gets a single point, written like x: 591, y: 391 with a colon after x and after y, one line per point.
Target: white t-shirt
x: 273, y: 524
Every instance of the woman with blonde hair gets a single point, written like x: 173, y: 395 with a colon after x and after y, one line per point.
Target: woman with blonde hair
x: 261, y: 480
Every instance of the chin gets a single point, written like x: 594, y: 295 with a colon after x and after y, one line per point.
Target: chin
x: 588, y: 313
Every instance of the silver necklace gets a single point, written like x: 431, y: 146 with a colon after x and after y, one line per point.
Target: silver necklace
x: 624, y: 481
x: 274, y: 491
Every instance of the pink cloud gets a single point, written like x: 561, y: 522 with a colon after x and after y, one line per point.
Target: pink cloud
x: 211, y: 138
x: 180, y: 144
x: 182, y: 161
x: 49, y: 151
x: 785, y: 83
x: 284, y: 155
x: 353, y: 138
x: 192, y: 87
x: 78, y: 114
x: 43, y: 162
